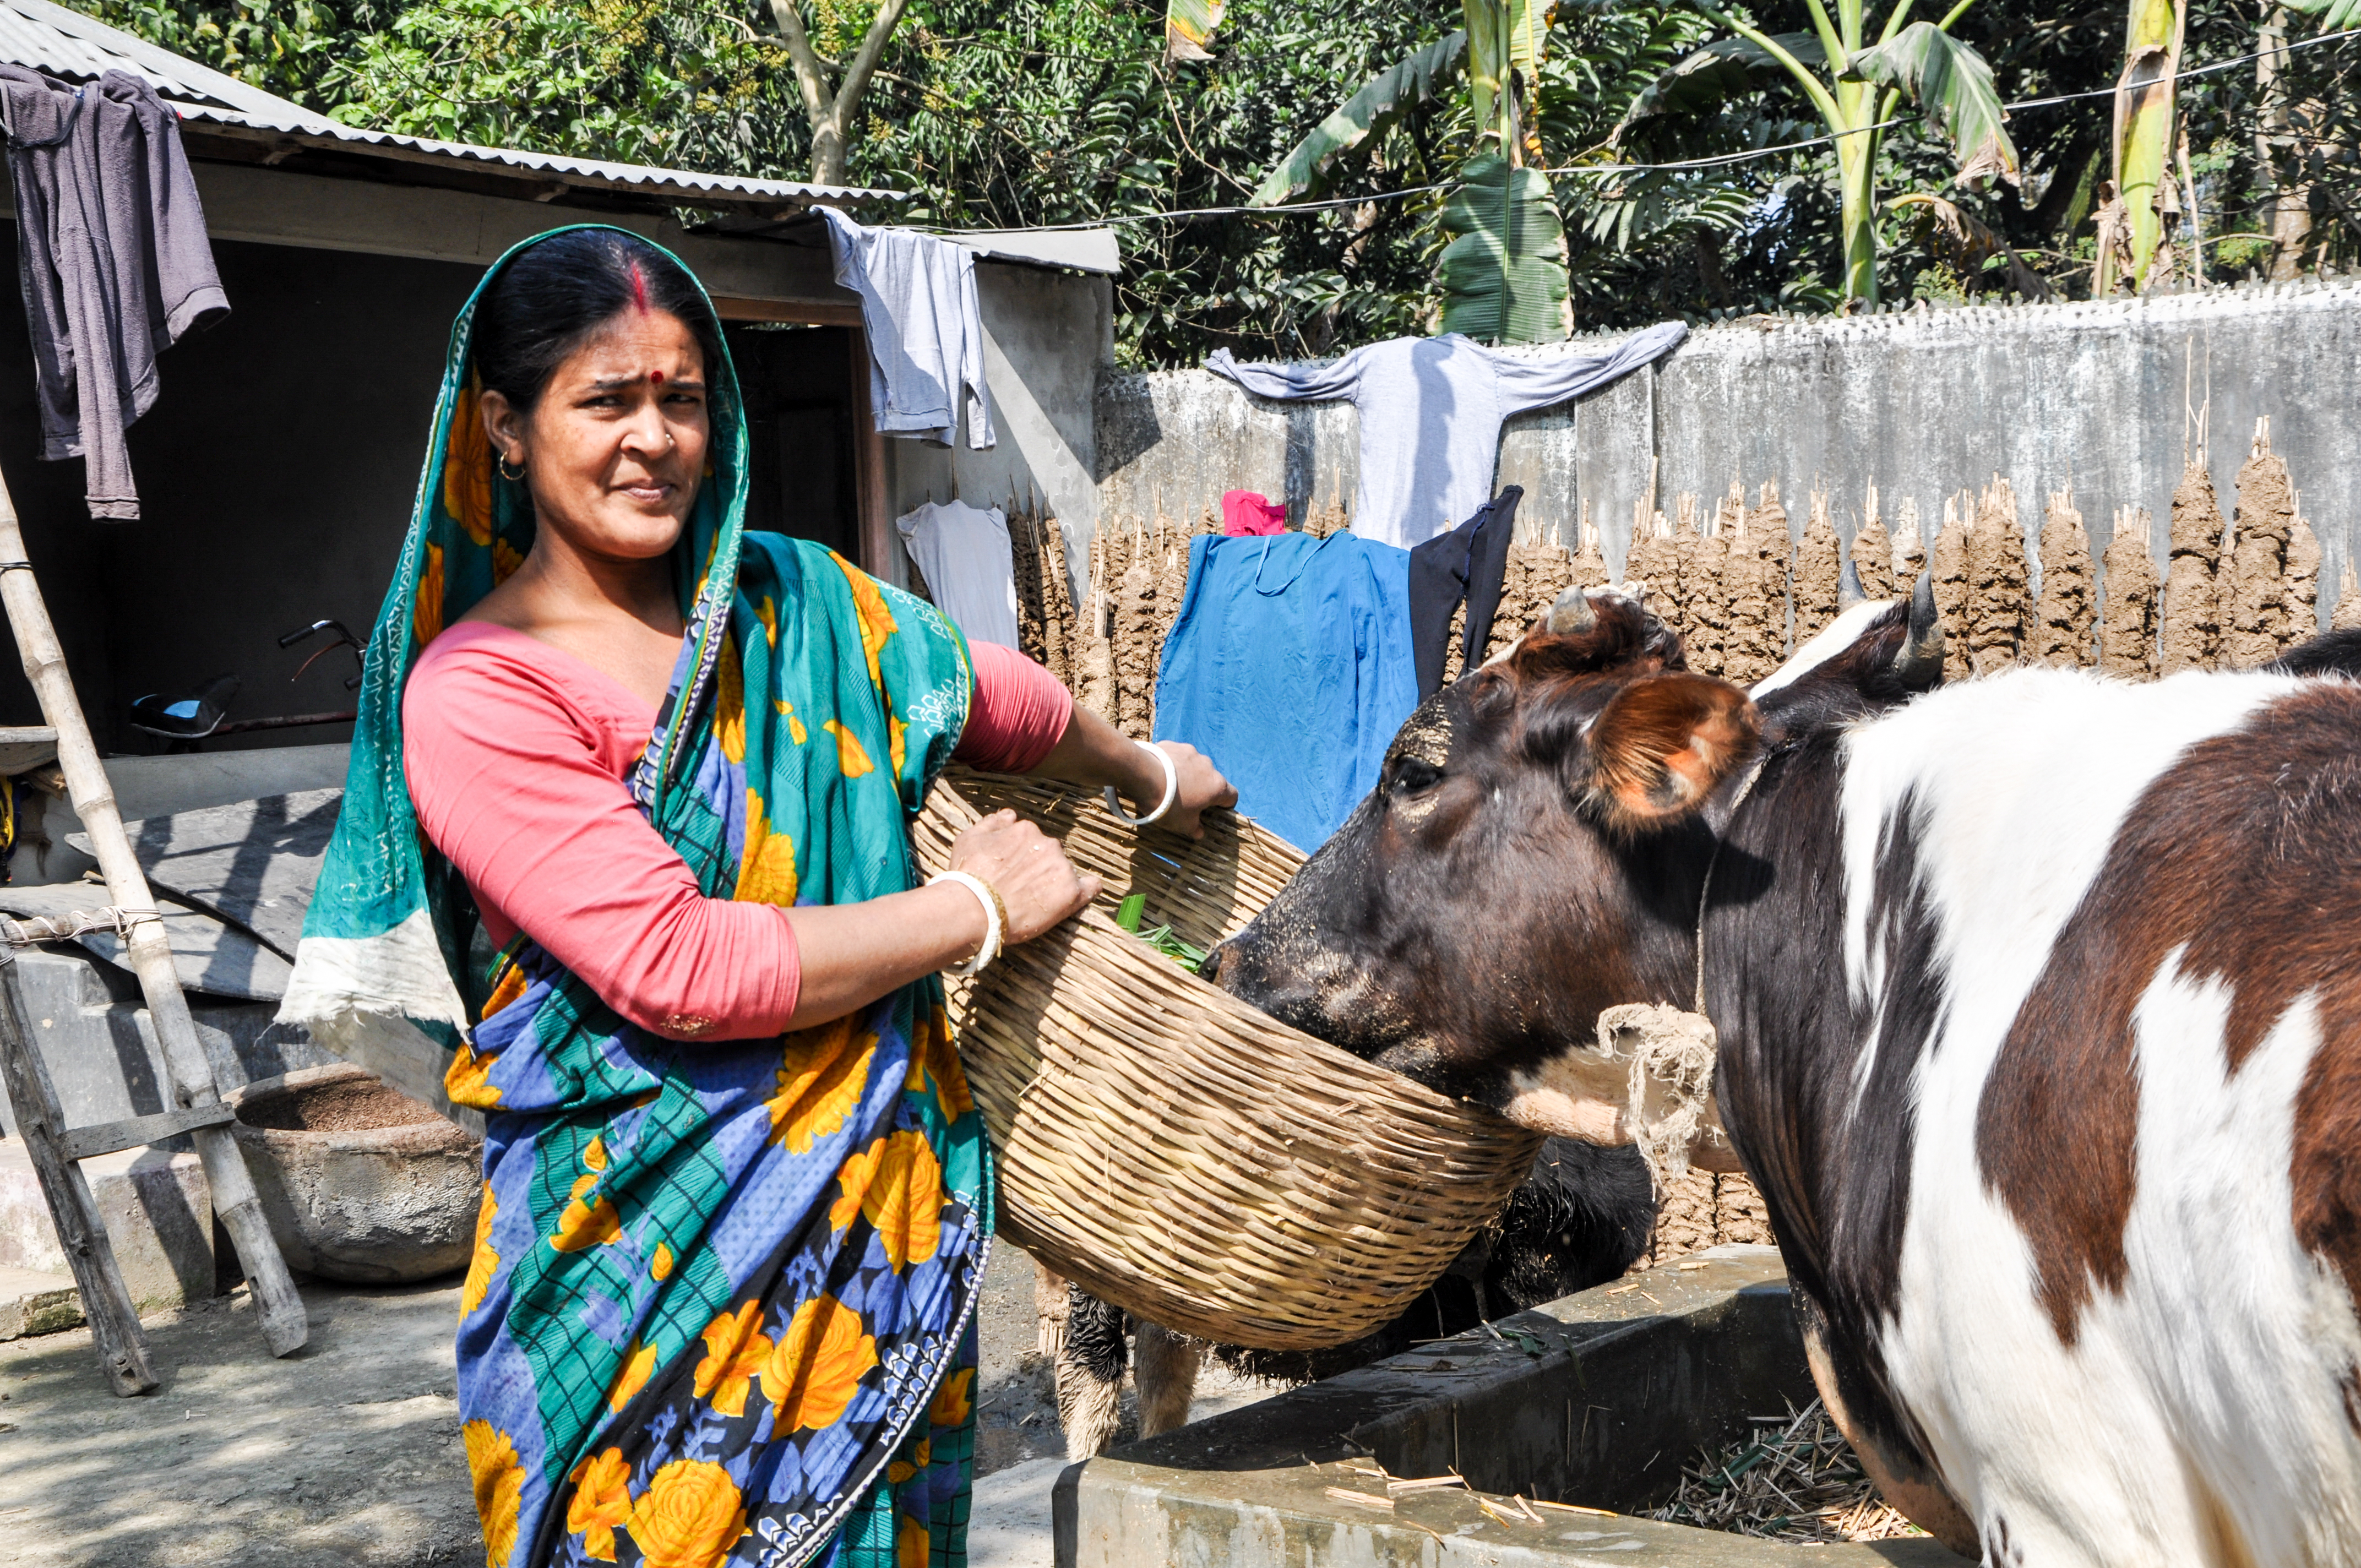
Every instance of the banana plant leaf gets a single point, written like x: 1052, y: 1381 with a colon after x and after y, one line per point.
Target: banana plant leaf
x: 1950, y: 81
x: 1723, y: 69
x: 1504, y: 36
x: 2335, y: 16
x: 1388, y: 95
x: 1189, y: 27
x: 1503, y: 275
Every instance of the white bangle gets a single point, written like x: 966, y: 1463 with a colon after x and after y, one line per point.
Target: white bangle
x: 1172, y: 789
x: 994, y: 926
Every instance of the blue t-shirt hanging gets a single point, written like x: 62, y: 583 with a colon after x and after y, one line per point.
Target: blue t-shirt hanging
x: 1290, y: 666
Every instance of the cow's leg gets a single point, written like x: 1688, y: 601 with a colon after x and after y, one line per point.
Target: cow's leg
x: 1902, y: 1480
x: 1049, y: 1309
x: 1164, y: 1367
x: 1089, y: 1374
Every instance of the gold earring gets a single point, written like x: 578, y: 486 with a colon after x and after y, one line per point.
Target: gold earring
x: 503, y: 464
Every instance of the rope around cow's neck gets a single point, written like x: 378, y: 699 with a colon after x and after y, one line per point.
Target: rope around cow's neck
x: 1705, y: 893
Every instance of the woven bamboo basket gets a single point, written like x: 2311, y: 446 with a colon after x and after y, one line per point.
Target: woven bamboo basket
x: 1173, y: 1150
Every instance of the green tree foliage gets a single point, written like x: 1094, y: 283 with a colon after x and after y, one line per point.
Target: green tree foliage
x: 1008, y: 113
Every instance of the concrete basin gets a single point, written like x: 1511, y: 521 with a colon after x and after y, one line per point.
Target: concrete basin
x: 359, y: 1181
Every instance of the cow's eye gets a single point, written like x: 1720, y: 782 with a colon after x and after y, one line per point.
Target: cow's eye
x: 1411, y: 775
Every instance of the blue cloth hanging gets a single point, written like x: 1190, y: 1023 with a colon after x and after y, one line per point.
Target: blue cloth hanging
x: 1290, y: 666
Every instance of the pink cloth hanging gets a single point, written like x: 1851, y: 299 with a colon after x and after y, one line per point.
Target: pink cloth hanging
x: 1245, y: 513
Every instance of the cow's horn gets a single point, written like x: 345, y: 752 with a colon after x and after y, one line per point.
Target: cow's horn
x: 1849, y: 588
x: 1919, y: 664
x: 1572, y: 613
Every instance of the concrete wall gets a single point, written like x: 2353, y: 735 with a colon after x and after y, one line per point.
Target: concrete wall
x: 1922, y: 402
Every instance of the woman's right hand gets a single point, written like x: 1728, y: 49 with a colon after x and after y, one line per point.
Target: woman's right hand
x: 1038, y: 886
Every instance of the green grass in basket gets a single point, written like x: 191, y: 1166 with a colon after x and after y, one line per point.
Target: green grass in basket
x: 1127, y: 916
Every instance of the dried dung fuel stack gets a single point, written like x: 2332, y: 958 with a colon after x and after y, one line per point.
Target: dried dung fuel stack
x: 2256, y: 621
x: 2063, y: 621
x: 1706, y: 589
x: 1060, y: 627
x: 1327, y: 520
x: 1651, y: 564
x: 1754, y: 571
x: 2127, y: 627
x: 1590, y: 560
x: 1952, y: 587
x: 1094, y: 683
x: 1909, y: 547
x: 1134, y: 635
x: 1999, y: 580
x: 2302, y: 597
x: 1820, y: 571
x: 1538, y: 570
x: 1872, y: 552
x: 2192, y: 609
x: 1699, y: 1210
x: 2346, y: 615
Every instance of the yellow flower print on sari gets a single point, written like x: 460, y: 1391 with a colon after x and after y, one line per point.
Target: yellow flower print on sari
x: 767, y: 613
x: 468, y: 470
x: 639, y: 1365
x: 690, y: 1515
x: 505, y: 560
x: 877, y: 623
x: 485, y: 1263
x: 500, y: 1486
x: 602, y: 1499
x: 588, y: 1224
x: 795, y: 730
x: 912, y: 1542
x: 821, y: 1074
x: 897, y: 1183
x: 912, y: 1460
x: 729, y: 704
x: 426, y: 615
x: 850, y: 756
x: 934, y: 1054
x: 954, y: 1400
x: 468, y: 1080
x: 735, y: 1354
x: 818, y: 1366
x: 766, y: 872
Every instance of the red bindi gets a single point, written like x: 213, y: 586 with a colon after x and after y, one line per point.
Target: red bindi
x: 657, y: 377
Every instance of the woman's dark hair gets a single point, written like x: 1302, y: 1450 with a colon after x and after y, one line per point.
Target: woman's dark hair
x: 547, y: 302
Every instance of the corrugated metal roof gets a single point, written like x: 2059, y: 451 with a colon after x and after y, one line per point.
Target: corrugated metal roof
x: 65, y: 43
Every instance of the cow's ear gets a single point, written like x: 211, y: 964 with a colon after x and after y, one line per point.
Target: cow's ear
x: 1664, y: 745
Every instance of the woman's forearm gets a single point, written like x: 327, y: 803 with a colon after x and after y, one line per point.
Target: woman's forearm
x: 1093, y: 752
x: 851, y: 954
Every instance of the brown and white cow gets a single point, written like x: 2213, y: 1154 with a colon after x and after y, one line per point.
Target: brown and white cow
x: 2039, y: 1008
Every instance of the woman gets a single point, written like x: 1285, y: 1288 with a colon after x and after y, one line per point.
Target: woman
x: 737, y: 1199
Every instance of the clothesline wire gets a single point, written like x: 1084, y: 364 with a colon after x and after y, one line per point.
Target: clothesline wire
x: 1716, y: 161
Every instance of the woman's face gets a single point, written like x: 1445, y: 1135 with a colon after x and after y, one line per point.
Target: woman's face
x: 615, y: 448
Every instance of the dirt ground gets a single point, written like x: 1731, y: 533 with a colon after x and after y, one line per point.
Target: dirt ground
x: 348, y: 1453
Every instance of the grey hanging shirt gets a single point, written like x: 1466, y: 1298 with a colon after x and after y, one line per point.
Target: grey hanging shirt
x: 113, y: 258
x: 925, y: 334
x: 1431, y: 410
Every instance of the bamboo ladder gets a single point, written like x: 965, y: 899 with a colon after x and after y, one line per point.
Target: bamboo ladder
x: 55, y: 1150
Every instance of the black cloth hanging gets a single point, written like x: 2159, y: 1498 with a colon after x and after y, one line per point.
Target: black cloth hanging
x: 1466, y: 564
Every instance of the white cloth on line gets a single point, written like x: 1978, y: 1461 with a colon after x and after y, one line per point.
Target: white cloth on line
x: 925, y: 330
x: 1431, y: 414
x: 965, y: 555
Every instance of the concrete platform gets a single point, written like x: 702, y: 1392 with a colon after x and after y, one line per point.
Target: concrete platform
x: 1596, y: 1402
x: 33, y: 1301
x: 157, y: 1209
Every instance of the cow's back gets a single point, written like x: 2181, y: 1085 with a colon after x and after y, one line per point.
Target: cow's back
x: 2123, y: 1318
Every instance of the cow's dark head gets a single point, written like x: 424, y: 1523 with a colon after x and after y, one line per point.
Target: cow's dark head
x: 1534, y: 854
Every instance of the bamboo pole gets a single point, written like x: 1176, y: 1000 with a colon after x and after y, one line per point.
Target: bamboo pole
x: 234, y: 1199
x: 81, y: 1234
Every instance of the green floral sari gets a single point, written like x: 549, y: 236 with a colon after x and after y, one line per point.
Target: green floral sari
x: 721, y: 1308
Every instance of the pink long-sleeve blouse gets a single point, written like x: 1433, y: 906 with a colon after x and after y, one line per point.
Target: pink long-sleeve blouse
x: 517, y: 755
